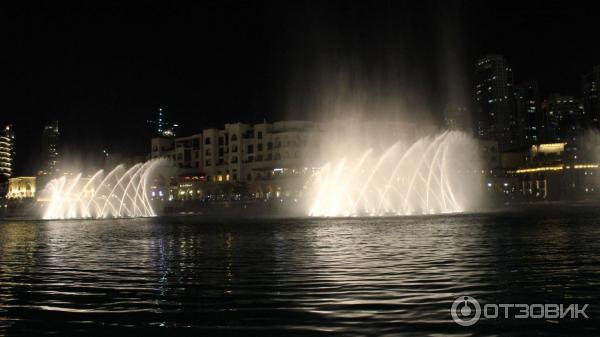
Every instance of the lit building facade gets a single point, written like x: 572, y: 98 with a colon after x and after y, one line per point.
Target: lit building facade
x: 7, y: 152
x: 239, y: 152
x: 563, y: 115
x: 493, y: 101
x: 21, y: 188
x: 264, y: 161
x: 553, y: 174
x: 590, y: 96
x: 528, y: 112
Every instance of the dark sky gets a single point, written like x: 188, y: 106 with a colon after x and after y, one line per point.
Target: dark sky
x: 104, y: 69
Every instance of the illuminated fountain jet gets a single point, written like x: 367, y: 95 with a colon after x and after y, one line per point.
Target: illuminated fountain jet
x: 434, y: 175
x: 120, y: 193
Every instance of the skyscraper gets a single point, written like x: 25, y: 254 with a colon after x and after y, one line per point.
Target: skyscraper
x: 563, y: 115
x: 7, y: 152
x: 530, y: 121
x: 590, y: 87
x: 164, y: 127
x: 493, y: 108
x: 50, y: 149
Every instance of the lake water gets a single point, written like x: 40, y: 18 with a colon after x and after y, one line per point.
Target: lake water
x: 297, y: 277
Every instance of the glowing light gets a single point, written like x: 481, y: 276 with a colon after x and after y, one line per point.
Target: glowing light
x: 539, y: 169
x: 584, y: 166
x: 549, y: 148
x: 121, y: 193
x: 428, y: 177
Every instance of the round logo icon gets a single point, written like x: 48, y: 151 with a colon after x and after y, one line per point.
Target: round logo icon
x: 465, y: 311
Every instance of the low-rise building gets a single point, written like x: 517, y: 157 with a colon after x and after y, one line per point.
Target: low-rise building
x: 554, y: 174
x: 239, y: 152
x: 21, y: 188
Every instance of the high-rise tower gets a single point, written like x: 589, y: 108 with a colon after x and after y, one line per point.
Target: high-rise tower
x: 494, y: 117
x: 7, y: 152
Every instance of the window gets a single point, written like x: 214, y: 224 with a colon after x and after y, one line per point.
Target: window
x: 207, y: 152
x: 269, y: 156
x: 234, y: 138
x: 250, y: 148
x: 259, y: 157
x: 270, y: 146
x: 187, y: 155
x: 197, y: 154
x: 249, y: 176
x: 207, y: 141
x: 207, y: 163
x: 233, y: 148
x: 259, y: 135
x: 221, y: 152
x: 277, y: 156
x: 221, y: 141
x: 234, y: 160
x: 259, y: 147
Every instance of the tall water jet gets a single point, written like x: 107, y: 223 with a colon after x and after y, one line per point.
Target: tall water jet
x: 122, y: 193
x: 435, y: 174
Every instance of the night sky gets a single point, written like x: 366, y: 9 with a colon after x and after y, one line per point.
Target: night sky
x: 104, y: 69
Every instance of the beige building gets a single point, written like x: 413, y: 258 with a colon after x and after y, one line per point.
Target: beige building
x: 241, y: 152
x: 21, y: 187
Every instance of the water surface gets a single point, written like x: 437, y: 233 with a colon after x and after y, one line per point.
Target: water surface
x: 296, y: 277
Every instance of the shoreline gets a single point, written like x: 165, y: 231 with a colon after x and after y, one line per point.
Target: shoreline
x: 241, y: 211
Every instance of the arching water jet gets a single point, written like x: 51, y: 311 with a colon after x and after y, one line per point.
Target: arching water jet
x: 120, y: 194
x: 436, y: 174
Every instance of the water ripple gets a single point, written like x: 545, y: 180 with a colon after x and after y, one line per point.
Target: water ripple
x: 351, y: 277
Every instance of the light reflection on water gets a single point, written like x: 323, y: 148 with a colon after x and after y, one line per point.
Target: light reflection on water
x: 301, y: 277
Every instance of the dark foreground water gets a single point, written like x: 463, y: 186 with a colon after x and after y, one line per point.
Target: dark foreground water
x: 297, y: 277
